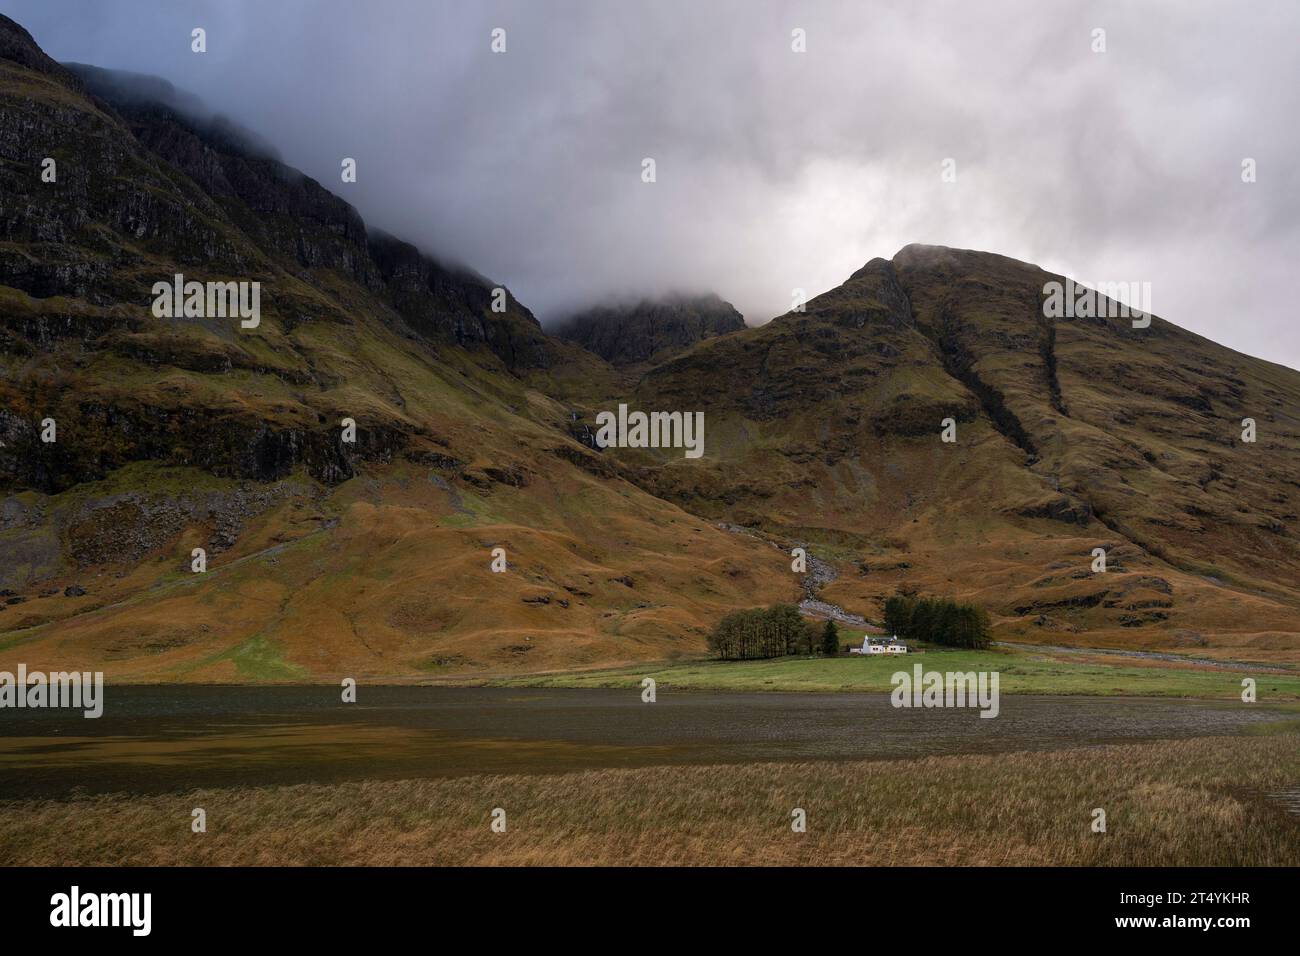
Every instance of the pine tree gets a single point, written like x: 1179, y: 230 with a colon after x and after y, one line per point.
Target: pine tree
x: 830, y: 639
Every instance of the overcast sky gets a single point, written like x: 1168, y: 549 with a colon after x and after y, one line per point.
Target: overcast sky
x: 775, y: 169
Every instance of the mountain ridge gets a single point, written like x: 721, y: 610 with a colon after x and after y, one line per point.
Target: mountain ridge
x: 649, y: 330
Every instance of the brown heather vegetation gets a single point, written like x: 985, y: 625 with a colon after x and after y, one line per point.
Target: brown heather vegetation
x: 1196, y: 802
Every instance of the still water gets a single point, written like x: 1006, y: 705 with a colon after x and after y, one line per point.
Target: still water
x: 158, y: 738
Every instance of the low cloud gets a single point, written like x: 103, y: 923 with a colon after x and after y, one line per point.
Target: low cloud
x: 775, y: 169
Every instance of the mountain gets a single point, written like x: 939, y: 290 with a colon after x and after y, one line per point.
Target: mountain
x: 650, y: 330
x: 323, y: 557
x: 476, y: 430
x: 1072, y: 434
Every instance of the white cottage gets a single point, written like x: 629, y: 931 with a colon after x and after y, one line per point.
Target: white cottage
x: 878, y: 645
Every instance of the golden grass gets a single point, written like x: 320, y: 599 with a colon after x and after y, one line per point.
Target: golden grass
x: 402, y: 587
x: 1196, y: 802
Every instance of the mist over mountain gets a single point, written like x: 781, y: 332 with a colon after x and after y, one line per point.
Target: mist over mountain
x: 128, y: 91
x: 777, y: 170
x: 640, y: 331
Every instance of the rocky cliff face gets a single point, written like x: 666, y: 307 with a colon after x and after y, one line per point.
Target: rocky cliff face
x: 142, y: 188
x: 650, y: 330
x: 292, y: 217
x: 454, y: 306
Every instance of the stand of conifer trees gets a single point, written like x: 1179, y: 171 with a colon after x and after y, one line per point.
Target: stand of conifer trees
x: 938, y: 621
x: 763, y: 632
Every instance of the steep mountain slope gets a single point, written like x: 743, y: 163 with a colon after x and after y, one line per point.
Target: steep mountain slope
x: 324, y: 557
x: 1072, y: 434
x: 650, y: 330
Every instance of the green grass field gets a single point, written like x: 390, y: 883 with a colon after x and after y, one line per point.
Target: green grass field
x: 1022, y: 672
